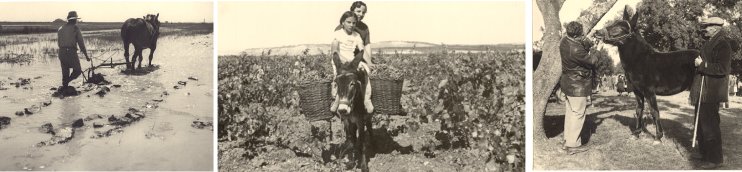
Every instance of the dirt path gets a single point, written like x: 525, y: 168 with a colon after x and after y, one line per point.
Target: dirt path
x: 162, y: 140
x: 607, y: 135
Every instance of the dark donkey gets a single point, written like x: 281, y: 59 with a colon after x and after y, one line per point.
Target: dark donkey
x: 649, y: 72
x: 143, y: 33
x: 351, y: 82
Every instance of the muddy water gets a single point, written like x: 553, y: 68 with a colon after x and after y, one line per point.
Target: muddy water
x: 163, y: 140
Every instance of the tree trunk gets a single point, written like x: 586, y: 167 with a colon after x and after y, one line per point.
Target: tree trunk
x: 547, y: 74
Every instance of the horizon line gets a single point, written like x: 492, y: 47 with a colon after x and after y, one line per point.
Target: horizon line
x: 465, y: 44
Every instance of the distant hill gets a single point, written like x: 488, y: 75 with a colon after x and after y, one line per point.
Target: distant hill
x: 386, y: 47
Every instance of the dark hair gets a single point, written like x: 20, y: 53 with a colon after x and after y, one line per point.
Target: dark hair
x: 574, y: 29
x: 348, y: 14
x: 358, y: 4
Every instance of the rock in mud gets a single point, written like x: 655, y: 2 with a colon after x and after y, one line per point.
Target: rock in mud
x: 133, y: 116
x: 193, y: 78
x: 103, y: 91
x: 46, y: 103
x: 165, y: 93
x: 78, y: 123
x: 202, y: 125
x: 134, y: 110
x: 120, y: 121
x: 93, y: 117
x: 176, y: 87
x: 46, y: 128
x: 117, y: 85
x: 97, y: 125
x: 21, y: 82
x: 151, y: 105
x: 31, y: 110
x: 19, y: 113
x: 60, y: 136
x: 183, y: 83
x: 4, y: 122
x: 107, y: 133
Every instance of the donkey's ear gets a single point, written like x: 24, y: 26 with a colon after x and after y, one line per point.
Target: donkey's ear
x: 626, y: 15
x: 634, y: 20
x: 336, y: 60
x: 158, y: 16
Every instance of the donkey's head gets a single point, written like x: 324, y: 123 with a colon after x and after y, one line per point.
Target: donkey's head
x: 618, y: 32
x: 153, y: 19
x: 350, y: 82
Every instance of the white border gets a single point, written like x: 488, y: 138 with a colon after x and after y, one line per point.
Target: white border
x: 529, y: 85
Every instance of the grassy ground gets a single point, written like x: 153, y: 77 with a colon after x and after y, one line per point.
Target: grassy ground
x: 606, y: 133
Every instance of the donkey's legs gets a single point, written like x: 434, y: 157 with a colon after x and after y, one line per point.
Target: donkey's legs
x: 350, y: 136
x: 137, y: 53
x: 126, y: 55
x: 639, y: 125
x: 362, y: 144
x: 655, y: 116
x: 369, y: 127
x: 151, y: 53
x: 141, y: 58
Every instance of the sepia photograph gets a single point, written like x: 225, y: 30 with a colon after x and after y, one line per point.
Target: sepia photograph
x: 636, y: 85
x: 106, y: 86
x: 371, y: 86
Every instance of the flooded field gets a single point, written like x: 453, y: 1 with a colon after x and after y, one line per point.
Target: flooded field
x: 158, y: 119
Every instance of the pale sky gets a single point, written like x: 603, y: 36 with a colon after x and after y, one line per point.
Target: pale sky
x: 243, y: 25
x: 107, y: 11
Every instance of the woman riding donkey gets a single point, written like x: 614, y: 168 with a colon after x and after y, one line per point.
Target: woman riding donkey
x: 348, y: 44
x: 352, y: 88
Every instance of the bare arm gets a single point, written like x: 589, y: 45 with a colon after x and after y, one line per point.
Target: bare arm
x: 367, y: 54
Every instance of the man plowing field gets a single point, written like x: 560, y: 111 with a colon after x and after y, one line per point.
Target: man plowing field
x: 69, y: 37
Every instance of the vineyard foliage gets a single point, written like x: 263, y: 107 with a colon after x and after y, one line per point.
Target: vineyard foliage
x: 477, y: 99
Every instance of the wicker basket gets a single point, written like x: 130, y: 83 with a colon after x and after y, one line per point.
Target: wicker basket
x: 386, y: 95
x: 315, y: 100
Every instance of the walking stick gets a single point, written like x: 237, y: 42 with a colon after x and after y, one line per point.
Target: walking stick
x: 698, y: 111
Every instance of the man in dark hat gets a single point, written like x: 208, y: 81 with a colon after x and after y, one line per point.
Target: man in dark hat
x: 69, y: 38
x: 710, y: 86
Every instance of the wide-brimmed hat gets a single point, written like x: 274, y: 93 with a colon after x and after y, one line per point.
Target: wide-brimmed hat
x: 72, y: 15
x: 712, y: 21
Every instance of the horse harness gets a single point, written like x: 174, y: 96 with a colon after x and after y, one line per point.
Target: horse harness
x: 619, y: 39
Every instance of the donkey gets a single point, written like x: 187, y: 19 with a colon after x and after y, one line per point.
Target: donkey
x: 143, y: 33
x: 648, y: 71
x: 352, y: 79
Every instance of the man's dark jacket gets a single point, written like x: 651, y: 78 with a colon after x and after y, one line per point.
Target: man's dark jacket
x: 716, y: 65
x: 576, y: 80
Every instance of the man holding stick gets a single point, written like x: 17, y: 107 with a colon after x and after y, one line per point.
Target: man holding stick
x: 708, y: 90
x: 69, y: 37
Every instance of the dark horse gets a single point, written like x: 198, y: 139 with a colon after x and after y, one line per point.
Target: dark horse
x: 351, y: 84
x: 649, y: 72
x: 143, y: 33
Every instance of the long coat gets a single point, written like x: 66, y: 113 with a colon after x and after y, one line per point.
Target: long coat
x: 577, y: 65
x: 716, y: 65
